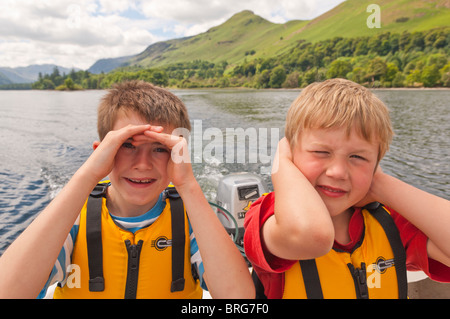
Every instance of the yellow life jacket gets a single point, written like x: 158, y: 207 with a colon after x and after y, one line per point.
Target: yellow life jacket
x: 376, y: 268
x: 154, y: 262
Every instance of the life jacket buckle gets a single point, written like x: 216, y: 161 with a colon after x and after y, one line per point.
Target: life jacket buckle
x: 373, y: 205
x: 171, y: 192
x: 97, y: 284
x: 100, y: 190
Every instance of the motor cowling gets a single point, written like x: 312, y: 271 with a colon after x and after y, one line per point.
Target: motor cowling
x: 235, y: 193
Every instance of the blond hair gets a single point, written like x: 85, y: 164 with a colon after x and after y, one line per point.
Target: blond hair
x: 337, y: 103
x: 156, y: 105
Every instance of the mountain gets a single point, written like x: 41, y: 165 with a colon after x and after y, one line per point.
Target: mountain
x: 248, y: 36
x: 246, y: 32
x: 243, y: 32
x: 106, y: 65
x: 28, y: 74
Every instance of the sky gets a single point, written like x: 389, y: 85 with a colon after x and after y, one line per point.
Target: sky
x: 76, y: 34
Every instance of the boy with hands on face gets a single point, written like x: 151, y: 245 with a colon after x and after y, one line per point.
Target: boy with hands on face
x: 313, y: 237
x: 139, y: 154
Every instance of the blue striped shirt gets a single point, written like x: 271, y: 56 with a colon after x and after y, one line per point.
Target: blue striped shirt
x: 60, y: 269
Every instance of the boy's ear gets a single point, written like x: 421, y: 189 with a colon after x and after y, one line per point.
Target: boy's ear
x: 95, y: 145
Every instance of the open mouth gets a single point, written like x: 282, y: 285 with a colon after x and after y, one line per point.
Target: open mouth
x: 141, y: 181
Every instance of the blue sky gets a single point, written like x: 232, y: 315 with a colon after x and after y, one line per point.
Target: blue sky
x: 78, y: 33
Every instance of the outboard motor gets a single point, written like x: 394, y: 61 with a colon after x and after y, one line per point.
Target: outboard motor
x: 235, y: 193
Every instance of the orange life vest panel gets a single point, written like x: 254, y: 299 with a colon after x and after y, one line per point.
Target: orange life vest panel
x: 376, y: 268
x: 138, y: 265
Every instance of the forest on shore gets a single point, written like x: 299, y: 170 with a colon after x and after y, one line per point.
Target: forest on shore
x: 385, y: 60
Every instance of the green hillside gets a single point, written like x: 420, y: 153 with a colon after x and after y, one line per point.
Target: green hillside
x: 243, y: 33
x: 349, y: 19
x: 246, y: 36
x: 410, y: 49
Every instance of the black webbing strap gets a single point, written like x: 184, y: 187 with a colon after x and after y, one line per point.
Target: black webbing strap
x: 393, y: 235
x: 311, y: 279
x: 178, y: 239
x: 94, y: 237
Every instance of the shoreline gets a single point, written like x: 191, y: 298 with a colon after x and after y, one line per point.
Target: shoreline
x: 409, y: 88
x: 298, y: 89
x: 250, y: 89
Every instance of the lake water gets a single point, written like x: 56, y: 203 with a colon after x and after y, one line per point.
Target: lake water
x: 46, y: 136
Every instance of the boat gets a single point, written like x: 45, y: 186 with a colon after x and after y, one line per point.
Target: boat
x: 235, y: 194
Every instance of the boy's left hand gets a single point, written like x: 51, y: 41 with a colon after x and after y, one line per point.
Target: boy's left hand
x: 179, y: 167
x: 371, y: 194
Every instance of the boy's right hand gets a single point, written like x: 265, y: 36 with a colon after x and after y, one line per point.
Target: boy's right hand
x: 301, y: 226
x: 101, y: 161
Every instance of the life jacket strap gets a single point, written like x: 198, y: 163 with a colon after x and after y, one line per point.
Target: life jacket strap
x: 393, y: 235
x: 311, y: 279
x: 94, y: 237
x: 178, y: 239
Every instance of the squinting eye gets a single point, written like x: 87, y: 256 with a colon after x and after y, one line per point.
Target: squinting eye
x: 128, y: 145
x: 161, y: 150
x: 321, y: 153
x: 358, y: 157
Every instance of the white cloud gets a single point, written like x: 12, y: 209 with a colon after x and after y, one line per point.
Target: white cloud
x: 204, y: 11
x: 115, y: 6
x: 187, y: 17
x: 68, y: 33
x: 77, y: 33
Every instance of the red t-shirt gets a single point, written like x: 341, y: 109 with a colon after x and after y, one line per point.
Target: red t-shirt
x: 270, y: 269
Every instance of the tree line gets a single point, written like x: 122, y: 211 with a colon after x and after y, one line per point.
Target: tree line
x: 417, y: 59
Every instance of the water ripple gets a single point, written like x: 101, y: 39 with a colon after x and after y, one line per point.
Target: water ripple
x: 46, y: 136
